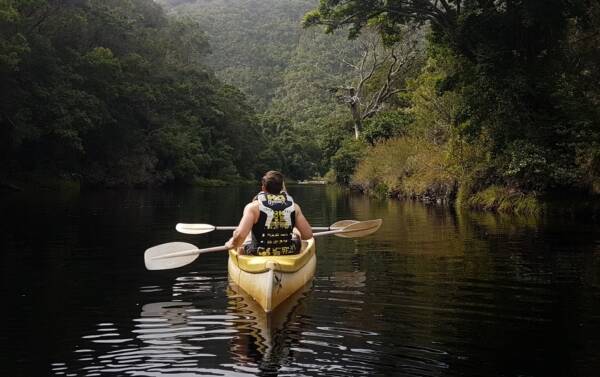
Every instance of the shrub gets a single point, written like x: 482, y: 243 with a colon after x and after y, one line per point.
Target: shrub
x: 406, y: 167
x: 345, y: 159
x: 503, y: 199
x: 386, y: 125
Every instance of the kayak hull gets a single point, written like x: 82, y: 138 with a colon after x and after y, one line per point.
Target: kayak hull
x: 271, y: 280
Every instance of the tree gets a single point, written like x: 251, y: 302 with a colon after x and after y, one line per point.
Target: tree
x: 507, y: 83
x: 287, y: 149
x: 114, y: 92
x: 379, y: 74
x: 390, y: 15
x: 252, y: 41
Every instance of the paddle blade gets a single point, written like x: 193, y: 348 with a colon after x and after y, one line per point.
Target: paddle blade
x: 360, y: 229
x: 157, y: 257
x: 194, y: 228
x: 342, y: 224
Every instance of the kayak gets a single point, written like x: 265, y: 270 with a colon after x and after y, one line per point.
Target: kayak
x: 270, y: 280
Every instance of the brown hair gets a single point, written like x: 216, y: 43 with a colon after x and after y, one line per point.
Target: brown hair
x: 273, y: 181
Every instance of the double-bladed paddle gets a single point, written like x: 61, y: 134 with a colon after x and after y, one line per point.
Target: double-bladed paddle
x: 206, y: 228
x: 178, y: 254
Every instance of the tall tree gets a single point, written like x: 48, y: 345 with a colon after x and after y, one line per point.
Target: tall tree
x: 379, y: 73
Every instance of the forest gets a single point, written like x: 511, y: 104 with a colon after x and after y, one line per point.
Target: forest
x: 504, y: 109
x: 114, y: 93
x: 489, y: 104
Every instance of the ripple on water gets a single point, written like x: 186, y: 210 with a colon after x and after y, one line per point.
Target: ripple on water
x: 416, y: 302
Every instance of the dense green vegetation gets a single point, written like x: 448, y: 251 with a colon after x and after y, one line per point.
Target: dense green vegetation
x: 112, y: 92
x: 287, y: 74
x: 305, y: 79
x: 252, y: 41
x: 490, y: 103
x: 505, y: 109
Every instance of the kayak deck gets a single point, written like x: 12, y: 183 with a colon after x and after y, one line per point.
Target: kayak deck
x: 269, y: 280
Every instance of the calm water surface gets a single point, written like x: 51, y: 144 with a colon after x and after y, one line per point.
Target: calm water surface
x: 433, y: 293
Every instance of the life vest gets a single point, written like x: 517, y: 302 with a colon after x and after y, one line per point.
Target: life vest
x: 272, y: 233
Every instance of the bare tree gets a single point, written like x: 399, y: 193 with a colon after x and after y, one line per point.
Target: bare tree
x: 379, y: 73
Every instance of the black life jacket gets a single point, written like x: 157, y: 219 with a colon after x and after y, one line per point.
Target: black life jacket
x: 272, y: 233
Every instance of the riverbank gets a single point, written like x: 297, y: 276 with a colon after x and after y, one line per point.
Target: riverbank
x: 27, y: 182
x: 494, y: 199
x: 38, y: 182
x: 34, y: 182
x: 462, y: 174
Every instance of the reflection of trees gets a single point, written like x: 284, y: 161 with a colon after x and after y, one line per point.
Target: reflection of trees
x: 434, y: 292
x: 479, y: 281
x: 410, y: 227
x: 498, y: 223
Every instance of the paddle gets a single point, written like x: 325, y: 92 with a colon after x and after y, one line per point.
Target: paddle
x: 178, y: 254
x: 206, y: 228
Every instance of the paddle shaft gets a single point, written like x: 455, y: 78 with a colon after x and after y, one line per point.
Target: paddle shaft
x: 315, y: 228
x: 184, y: 253
x: 327, y: 232
x: 187, y: 253
x: 206, y: 228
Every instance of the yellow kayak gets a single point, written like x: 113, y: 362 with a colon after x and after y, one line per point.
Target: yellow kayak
x: 270, y: 280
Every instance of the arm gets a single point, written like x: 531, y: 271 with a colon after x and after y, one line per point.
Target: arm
x: 248, y: 219
x: 302, y: 224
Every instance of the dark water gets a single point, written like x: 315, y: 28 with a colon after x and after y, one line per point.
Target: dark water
x: 433, y: 293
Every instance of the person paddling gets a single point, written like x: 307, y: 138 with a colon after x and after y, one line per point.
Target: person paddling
x: 272, y: 220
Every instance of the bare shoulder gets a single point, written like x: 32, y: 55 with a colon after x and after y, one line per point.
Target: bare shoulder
x: 252, y: 208
x: 252, y: 205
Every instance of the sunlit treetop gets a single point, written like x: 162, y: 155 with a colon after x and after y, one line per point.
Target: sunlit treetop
x: 387, y: 15
x: 528, y: 26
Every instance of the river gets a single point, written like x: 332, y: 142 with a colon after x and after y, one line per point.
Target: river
x: 434, y: 293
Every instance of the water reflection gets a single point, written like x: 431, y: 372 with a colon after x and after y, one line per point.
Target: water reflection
x: 167, y: 338
x: 264, y: 339
x: 435, y: 292
x: 184, y: 336
x: 176, y: 336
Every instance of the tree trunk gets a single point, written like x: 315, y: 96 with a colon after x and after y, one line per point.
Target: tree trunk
x: 357, y: 121
x: 356, y: 131
x: 356, y: 115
